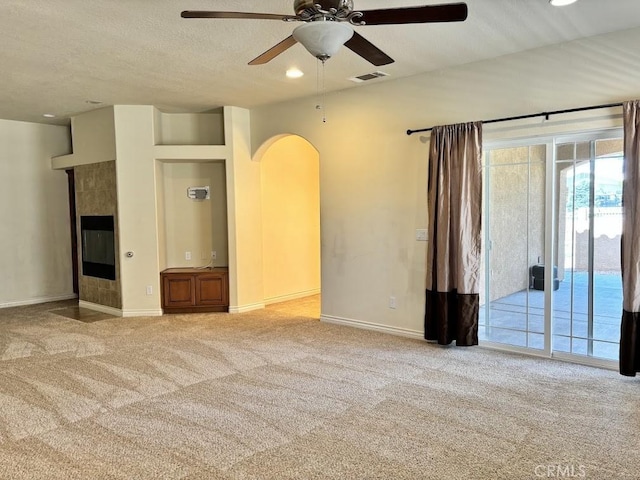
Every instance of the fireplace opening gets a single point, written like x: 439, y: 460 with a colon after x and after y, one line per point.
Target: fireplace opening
x: 98, y: 247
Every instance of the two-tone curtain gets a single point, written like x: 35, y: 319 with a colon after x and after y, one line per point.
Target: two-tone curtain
x: 630, y: 330
x: 453, y: 248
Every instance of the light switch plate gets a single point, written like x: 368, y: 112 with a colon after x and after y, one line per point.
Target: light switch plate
x: 421, y: 234
x: 392, y: 302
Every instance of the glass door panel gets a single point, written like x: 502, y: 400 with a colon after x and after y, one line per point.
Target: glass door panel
x: 570, y: 302
x: 587, y: 305
x: 513, y: 306
x: 607, y: 231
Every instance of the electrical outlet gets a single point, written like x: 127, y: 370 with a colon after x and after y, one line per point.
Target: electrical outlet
x: 187, y: 255
x: 214, y: 254
x: 149, y: 290
x: 392, y: 302
x: 421, y: 235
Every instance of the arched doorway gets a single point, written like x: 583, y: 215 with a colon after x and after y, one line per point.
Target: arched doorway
x: 290, y: 200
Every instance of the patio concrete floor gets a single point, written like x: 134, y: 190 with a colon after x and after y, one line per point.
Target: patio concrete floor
x: 508, y: 322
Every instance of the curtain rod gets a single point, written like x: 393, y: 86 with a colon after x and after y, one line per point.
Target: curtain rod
x: 532, y: 115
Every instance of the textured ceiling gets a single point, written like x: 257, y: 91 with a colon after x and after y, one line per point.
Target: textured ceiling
x: 58, y: 54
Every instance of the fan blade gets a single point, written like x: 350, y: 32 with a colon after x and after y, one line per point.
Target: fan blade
x: 274, y: 51
x: 255, y: 16
x: 451, y: 12
x: 367, y: 50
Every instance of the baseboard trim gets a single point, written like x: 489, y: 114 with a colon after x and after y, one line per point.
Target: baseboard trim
x: 100, y: 308
x: 291, y: 296
x: 587, y: 361
x: 142, y: 313
x: 349, y: 322
x: 557, y: 356
x: 246, y: 308
x: 37, y: 300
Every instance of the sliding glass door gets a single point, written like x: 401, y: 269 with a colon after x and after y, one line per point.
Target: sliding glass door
x: 588, y: 306
x: 551, y: 228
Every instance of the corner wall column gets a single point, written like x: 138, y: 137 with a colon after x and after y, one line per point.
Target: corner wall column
x: 246, y: 290
x: 137, y: 225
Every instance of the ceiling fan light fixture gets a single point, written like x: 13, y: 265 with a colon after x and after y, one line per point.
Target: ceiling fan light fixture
x: 323, y: 39
x: 561, y: 3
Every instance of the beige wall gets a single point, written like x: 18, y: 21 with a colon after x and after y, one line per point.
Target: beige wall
x: 373, y: 198
x: 246, y: 290
x: 161, y: 216
x: 137, y: 222
x: 189, y: 128
x: 95, y: 186
x: 196, y: 226
x: 35, y: 245
x: 290, y: 219
x: 373, y: 175
x: 94, y: 136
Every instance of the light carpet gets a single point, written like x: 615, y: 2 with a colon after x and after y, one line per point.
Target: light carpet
x: 279, y: 395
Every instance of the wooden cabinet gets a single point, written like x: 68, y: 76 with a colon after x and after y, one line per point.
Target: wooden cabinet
x: 178, y: 290
x: 190, y: 290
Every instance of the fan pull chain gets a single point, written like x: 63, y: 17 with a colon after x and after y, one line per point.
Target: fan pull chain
x: 320, y: 90
x: 324, y: 96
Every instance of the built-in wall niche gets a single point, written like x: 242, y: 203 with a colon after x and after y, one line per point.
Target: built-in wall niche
x: 98, y: 246
x: 190, y: 229
x: 189, y: 128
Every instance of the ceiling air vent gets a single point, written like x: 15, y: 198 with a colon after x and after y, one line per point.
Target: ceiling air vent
x: 368, y: 76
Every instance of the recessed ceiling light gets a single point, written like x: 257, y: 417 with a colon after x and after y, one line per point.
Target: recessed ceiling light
x: 294, y: 73
x: 561, y: 3
x: 48, y: 115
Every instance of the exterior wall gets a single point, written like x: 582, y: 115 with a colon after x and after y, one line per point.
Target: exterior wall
x: 607, y: 225
x: 96, y: 195
x: 606, y: 253
x: 35, y: 234
x: 516, y: 206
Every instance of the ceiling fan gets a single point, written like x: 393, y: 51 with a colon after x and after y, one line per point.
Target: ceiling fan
x: 326, y: 26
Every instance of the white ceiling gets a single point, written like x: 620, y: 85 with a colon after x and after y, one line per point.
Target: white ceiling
x: 56, y: 55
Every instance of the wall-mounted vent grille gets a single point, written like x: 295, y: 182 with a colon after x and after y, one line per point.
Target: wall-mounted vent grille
x: 368, y: 76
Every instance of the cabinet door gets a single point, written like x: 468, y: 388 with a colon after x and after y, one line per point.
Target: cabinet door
x: 211, y: 289
x: 178, y: 290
